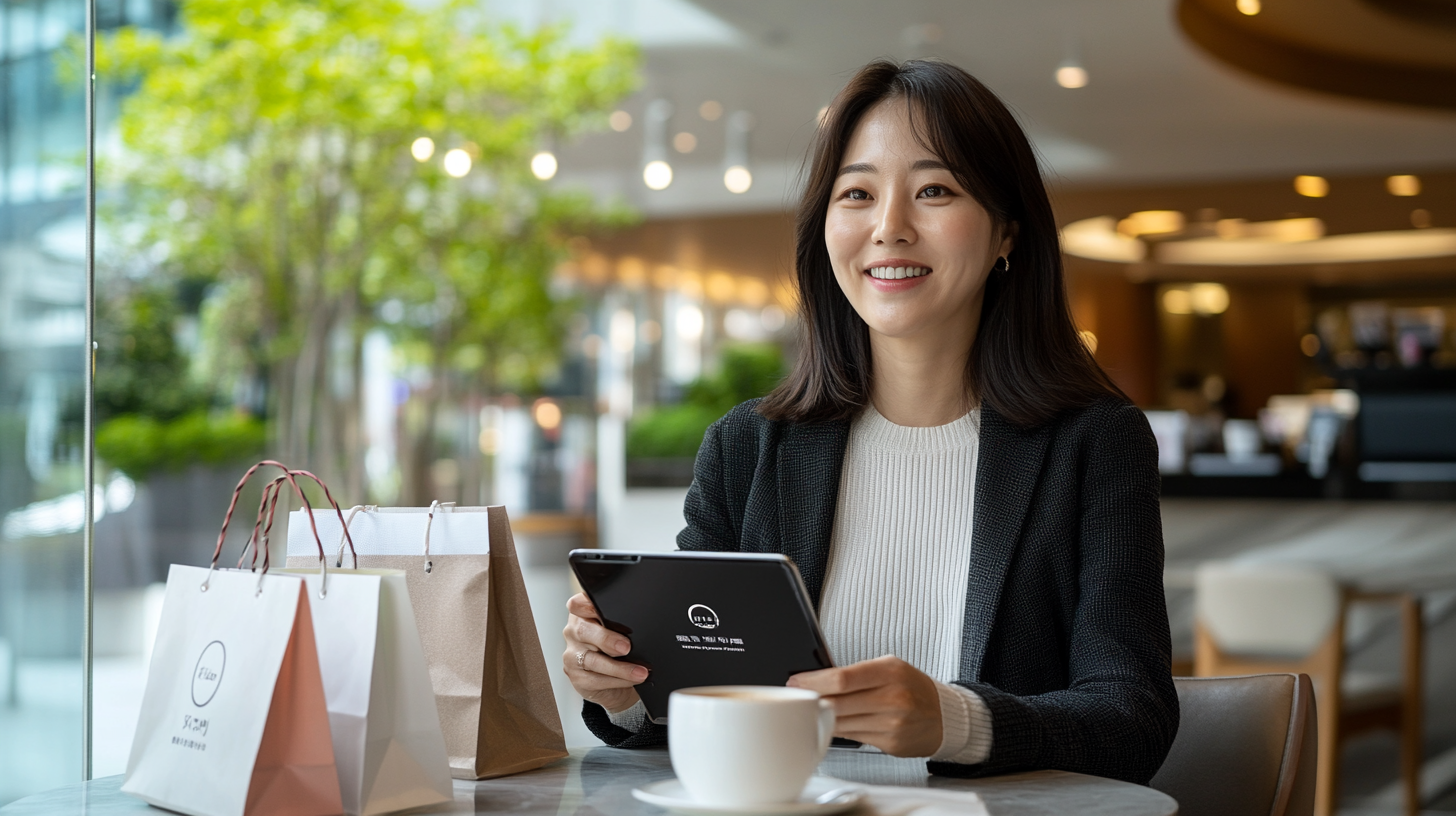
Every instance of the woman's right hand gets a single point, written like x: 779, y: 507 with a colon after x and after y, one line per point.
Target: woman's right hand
x: 593, y: 672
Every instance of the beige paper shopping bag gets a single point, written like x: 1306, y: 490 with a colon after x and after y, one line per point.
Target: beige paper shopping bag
x: 233, y: 720
x: 489, y: 675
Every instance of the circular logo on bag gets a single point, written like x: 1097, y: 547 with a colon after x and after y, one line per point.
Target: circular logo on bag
x: 703, y: 617
x: 208, y: 674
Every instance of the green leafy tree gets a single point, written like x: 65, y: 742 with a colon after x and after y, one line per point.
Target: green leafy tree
x: 275, y: 145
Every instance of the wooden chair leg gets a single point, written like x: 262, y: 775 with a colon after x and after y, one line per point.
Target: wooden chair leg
x: 1326, y: 667
x: 1412, y: 706
x: 1327, y: 771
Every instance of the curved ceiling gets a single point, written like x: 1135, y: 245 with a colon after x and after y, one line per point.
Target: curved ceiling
x: 1158, y: 109
x: 1400, y: 51
x: 1104, y: 239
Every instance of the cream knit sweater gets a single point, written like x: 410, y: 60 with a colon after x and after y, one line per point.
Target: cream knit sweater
x: 899, y: 561
x: 899, y: 564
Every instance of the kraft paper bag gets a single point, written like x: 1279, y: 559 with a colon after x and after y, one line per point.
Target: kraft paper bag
x: 233, y: 721
x: 491, y: 685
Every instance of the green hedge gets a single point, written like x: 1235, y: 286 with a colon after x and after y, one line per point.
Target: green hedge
x: 675, y: 432
x: 140, y: 445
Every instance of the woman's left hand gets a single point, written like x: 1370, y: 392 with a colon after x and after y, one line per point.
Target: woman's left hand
x: 884, y: 702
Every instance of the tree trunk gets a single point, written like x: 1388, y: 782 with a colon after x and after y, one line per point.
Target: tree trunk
x: 354, y: 441
x: 310, y: 388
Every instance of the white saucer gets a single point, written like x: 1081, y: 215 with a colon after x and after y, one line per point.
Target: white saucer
x: 670, y: 795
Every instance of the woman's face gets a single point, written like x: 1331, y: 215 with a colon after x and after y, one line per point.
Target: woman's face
x: 910, y: 247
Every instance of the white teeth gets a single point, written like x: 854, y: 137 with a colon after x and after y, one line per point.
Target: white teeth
x: 897, y: 272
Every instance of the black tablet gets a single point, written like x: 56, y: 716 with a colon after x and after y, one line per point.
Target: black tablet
x: 704, y: 618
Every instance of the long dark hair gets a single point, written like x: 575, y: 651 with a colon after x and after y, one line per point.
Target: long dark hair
x: 1028, y: 363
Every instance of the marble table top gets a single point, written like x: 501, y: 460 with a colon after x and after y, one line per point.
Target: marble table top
x: 599, y: 782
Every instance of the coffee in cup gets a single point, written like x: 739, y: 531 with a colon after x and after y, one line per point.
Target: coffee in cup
x: 737, y: 746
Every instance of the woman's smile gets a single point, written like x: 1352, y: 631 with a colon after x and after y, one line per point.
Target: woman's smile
x: 896, y: 274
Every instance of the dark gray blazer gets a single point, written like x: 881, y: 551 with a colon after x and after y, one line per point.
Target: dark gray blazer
x: 1066, y: 627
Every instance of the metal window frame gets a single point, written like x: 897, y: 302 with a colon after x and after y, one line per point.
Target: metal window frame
x: 89, y: 430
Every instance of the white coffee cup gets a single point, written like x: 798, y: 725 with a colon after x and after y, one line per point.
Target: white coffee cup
x: 747, y: 745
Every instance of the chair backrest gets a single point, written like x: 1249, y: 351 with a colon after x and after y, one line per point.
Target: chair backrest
x: 1266, y: 610
x: 1246, y: 746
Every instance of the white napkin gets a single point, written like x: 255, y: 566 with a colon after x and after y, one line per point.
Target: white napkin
x: 894, y: 800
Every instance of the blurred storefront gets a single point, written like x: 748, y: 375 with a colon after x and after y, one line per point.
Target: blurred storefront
x: 1294, y: 336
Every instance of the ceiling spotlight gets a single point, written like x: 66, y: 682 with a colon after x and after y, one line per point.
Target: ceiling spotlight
x: 1403, y: 185
x: 656, y: 172
x: 620, y: 120
x: 1311, y: 186
x: 657, y: 175
x: 1209, y: 298
x: 1178, y: 302
x: 710, y: 110
x: 735, y: 158
x: 1249, y: 7
x: 1200, y: 298
x: 685, y: 142
x: 1071, y: 75
x: 422, y: 148
x: 457, y: 162
x: 543, y: 165
x: 1152, y: 222
x: 737, y: 179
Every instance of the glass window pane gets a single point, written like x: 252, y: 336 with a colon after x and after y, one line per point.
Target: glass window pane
x: 42, y: 333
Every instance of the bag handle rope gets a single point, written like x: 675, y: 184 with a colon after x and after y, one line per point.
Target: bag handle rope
x: 345, y: 539
x: 371, y: 508
x: 430, y: 522
x: 271, y: 493
x: 346, y: 536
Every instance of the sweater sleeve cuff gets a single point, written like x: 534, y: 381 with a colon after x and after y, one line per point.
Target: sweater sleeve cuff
x: 631, y: 719
x: 965, y: 726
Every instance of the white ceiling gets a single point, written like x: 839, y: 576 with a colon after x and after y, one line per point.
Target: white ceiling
x: 1156, y: 109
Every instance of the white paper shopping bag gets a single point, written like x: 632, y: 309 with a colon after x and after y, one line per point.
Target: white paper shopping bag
x: 387, y: 741
x: 233, y: 720
x: 388, y: 745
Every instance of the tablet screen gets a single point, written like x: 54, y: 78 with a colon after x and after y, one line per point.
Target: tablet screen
x: 704, y: 619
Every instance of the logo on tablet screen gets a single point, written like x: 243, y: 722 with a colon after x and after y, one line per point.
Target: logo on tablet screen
x: 703, y: 617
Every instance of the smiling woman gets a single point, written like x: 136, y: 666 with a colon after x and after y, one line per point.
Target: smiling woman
x: 972, y: 504
x: 911, y: 162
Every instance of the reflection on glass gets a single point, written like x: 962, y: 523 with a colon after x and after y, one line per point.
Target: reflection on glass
x: 42, y: 333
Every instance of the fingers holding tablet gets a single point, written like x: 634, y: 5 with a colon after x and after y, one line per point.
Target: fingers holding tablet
x: 588, y: 661
x: 884, y: 702
x: 589, y: 629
